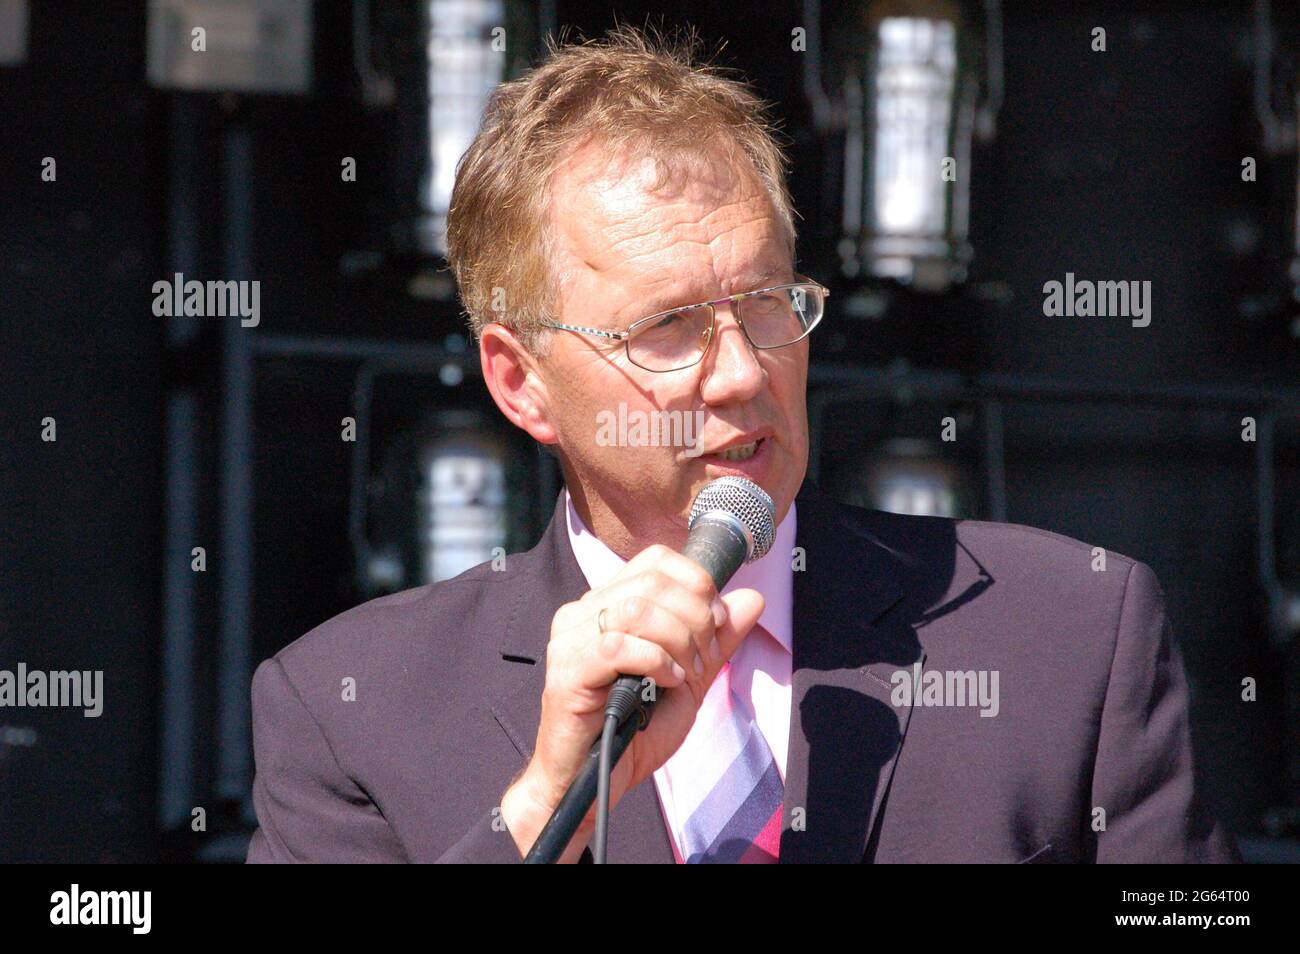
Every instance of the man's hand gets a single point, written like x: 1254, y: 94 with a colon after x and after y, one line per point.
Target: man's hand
x: 663, y: 619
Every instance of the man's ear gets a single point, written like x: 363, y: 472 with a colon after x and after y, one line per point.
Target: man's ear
x: 515, y: 382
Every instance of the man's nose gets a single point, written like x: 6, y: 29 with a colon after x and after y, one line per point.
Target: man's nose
x: 731, y: 371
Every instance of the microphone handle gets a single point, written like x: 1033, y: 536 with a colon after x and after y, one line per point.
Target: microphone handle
x: 718, y: 543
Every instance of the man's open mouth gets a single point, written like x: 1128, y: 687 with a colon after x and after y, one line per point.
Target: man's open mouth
x: 741, y: 452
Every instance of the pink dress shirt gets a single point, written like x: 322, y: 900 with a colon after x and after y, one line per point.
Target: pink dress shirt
x: 761, y: 667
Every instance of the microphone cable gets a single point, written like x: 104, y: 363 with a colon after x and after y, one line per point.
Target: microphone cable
x: 602, y: 789
x: 623, y: 703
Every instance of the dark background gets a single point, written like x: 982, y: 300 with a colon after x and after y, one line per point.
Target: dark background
x: 1121, y: 165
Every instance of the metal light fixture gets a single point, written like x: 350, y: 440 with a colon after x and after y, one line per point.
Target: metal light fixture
x: 462, y: 499
x: 435, y: 63
x: 910, y: 108
x: 13, y: 32
x: 247, y: 46
x: 446, y: 493
x: 911, y: 475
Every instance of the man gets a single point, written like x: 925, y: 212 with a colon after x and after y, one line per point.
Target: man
x: 878, y: 687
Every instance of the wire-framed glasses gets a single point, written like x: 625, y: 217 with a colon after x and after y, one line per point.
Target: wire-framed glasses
x: 770, y: 318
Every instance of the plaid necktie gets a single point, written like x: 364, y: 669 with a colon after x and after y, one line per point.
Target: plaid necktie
x: 736, y: 813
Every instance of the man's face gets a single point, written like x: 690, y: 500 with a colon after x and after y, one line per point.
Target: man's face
x: 625, y: 253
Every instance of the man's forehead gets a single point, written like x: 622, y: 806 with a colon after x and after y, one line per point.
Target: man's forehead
x: 638, y: 164
x: 645, y: 286
x: 711, y: 230
x: 601, y: 201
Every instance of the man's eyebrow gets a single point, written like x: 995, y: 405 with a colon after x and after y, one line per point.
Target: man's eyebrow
x: 752, y: 281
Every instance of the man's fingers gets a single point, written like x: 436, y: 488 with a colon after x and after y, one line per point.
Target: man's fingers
x: 620, y: 653
x: 672, y: 564
x: 653, y: 621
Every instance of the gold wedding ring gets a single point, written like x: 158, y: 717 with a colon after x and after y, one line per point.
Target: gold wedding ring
x: 600, y: 619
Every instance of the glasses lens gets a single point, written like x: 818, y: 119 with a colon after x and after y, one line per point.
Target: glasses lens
x: 675, y: 340
x: 782, y: 316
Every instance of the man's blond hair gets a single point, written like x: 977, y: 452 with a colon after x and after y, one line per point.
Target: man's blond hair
x: 628, y: 89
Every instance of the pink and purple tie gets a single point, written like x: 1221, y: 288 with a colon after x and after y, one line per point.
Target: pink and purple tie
x: 736, y: 814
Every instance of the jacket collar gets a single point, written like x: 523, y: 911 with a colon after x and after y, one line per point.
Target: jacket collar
x: 549, y: 576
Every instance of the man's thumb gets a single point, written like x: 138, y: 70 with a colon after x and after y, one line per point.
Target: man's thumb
x: 744, y: 607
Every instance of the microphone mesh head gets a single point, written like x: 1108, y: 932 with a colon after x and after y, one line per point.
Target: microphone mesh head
x: 747, y: 502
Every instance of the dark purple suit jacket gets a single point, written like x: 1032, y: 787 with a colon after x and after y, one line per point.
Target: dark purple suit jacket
x: 1092, y: 708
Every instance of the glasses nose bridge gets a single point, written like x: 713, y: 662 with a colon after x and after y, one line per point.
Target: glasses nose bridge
x: 733, y: 308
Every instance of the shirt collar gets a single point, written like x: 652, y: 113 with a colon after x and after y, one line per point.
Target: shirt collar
x: 772, y: 575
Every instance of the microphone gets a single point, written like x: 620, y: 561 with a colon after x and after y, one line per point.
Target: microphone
x: 732, y: 521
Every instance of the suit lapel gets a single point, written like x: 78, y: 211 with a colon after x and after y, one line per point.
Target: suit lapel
x: 845, y: 735
x: 549, y: 577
